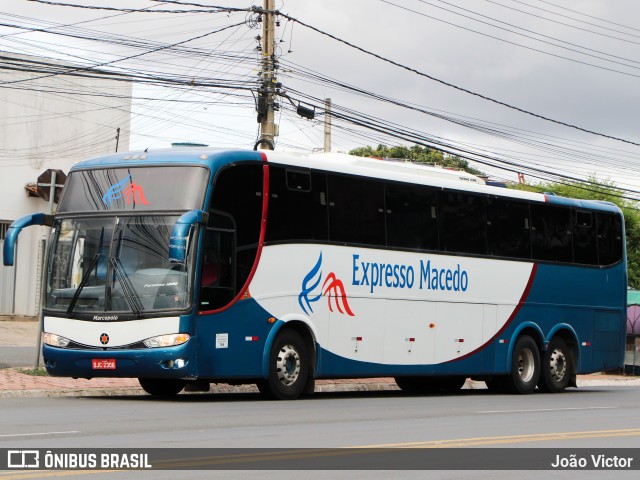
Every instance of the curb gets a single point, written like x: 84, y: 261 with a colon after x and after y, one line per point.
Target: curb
x: 326, y: 387
x: 215, y: 389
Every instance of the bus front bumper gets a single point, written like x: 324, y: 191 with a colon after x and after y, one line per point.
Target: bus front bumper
x: 169, y: 362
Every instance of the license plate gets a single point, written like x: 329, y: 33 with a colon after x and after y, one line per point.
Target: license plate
x: 103, y: 363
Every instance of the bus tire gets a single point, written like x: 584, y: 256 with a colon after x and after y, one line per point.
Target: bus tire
x: 162, y: 387
x: 288, y: 367
x: 525, y: 367
x: 430, y: 384
x: 557, y: 367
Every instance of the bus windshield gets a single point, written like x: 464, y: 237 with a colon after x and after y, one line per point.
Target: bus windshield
x: 121, y: 264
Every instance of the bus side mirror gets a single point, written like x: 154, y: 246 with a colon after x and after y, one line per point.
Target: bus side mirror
x: 180, y: 234
x: 9, y: 248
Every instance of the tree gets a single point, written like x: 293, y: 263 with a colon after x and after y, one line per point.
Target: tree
x: 595, y: 189
x: 417, y: 154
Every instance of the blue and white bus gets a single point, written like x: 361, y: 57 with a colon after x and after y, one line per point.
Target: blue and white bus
x: 188, y: 267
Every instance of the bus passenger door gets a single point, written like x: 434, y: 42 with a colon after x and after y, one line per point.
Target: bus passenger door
x: 217, y: 274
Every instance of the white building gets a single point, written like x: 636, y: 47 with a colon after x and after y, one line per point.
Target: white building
x: 48, y: 121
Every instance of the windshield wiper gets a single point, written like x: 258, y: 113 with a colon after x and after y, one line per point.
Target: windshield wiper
x: 83, y: 282
x: 127, y: 289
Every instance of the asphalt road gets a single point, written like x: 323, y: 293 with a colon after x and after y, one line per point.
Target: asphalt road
x: 590, y: 418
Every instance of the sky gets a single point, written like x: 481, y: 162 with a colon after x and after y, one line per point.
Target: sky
x: 577, y: 63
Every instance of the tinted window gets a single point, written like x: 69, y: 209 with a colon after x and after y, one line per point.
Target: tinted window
x: 609, y: 238
x: 585, y: 245
x: 551, y: 233
x: 237, y: 192
x: 217, y: 285
x: 101, y: 265
x: 356, y: 210
x: 135, y: 189
x: 298, y: 181
x: 463, y: 225
x: 411, y: 216
x: 508, y: 228
x: 297, y: 206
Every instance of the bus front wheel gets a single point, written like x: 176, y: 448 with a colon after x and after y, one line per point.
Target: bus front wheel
x: 162, y: 387
x: 557, y: 367
x: 525, y: 367
x: 288, y: 368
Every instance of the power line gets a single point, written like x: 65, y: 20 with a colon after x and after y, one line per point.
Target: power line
x: 402, y: 133
x: 457, y: 87
x: 586, y: 15
x: 533, y: 32
x: 567, y: 24
x: 209, y: 9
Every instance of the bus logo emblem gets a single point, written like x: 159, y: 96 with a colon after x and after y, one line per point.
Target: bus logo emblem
x: 132, y: 193
x: 104, y: 339
x: 332, y: 288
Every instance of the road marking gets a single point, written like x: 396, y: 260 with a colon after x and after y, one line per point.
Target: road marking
x: 535, y: 437
x: 546, y: 410
x: 37, y: 433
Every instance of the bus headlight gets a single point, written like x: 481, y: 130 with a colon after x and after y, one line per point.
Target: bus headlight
x: 54, y: 340
x: 170, y: 340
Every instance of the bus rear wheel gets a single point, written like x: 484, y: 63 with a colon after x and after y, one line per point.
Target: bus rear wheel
x: 525, y: 367
x: 288, y: 368
x: 162, y: 387
x: 557, y: 367
x: 430, y: 384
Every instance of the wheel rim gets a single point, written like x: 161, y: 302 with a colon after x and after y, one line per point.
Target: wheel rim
x: 526, y: 365
x: 288, y: 365
x: 557, y: 365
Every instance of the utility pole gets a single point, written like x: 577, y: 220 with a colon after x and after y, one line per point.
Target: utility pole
x: 327, y: 125
x: 117, y: 138
x: 52, y: 195
x: 267, y: 97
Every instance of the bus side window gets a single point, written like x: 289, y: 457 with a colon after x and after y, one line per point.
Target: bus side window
x: 609, y: 238
x: 463, y: 226
x: 551, y: 236
x: 411, y: 216
x: 508, y: 228
x: 585, y: 245
x: 356, y: 210
x: 297, y: 210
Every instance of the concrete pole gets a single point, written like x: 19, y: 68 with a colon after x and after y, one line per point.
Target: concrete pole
x: 267, y: 125
x: 43, y: 282
x: 327, y: 125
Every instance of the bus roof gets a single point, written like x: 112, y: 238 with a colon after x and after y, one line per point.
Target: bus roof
x: 394, y: 170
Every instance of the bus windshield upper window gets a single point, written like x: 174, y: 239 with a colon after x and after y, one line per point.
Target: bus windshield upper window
x: 135, y: 189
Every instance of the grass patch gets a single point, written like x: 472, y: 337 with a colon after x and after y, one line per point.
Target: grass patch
x: 37, y: 372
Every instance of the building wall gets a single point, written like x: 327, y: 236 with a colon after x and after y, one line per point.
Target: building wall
x: 49, y: 121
